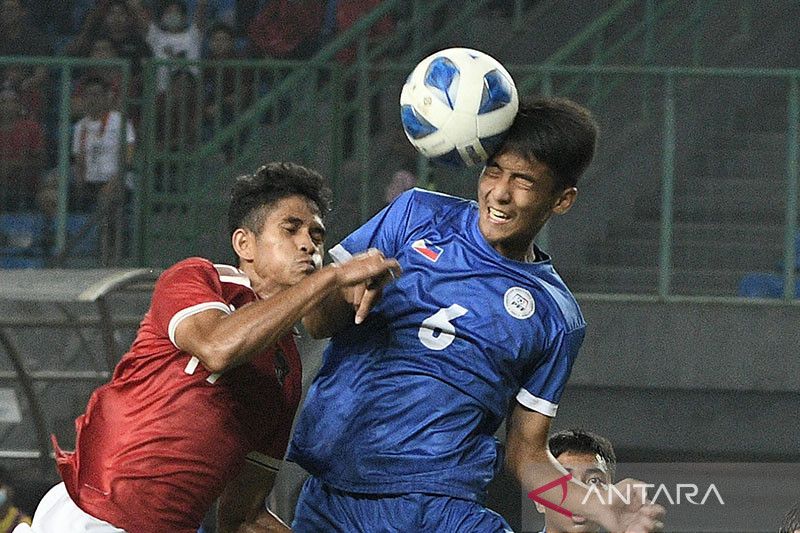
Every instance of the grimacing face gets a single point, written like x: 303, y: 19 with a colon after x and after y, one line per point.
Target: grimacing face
x: 516, y: 196
x: 590, y: 469
x: 288, y: 248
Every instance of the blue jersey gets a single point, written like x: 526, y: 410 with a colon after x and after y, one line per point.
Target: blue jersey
x: 409, y: 401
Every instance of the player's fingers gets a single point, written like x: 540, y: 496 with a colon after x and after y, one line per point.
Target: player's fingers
x: 379, y: 267
x: 370, y: 296
x: 653, y: 510
x: 358, y: 294
x: 391, y: 271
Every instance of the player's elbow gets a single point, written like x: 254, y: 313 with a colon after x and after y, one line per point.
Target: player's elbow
x: 217, y: 357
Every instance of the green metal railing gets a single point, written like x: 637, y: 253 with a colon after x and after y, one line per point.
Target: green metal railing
x: 64, y: 72
x: 232, y: 115
x: 668, y: 78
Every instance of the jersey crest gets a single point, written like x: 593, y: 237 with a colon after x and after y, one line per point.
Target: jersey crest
x: 429, y: 251
x: 519, y: 303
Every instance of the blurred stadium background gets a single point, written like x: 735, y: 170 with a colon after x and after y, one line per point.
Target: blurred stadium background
x: 682, y: 249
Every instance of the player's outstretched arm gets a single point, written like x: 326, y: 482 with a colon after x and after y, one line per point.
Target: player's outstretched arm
x: 529, y: 459
x: 351, y: 304
x: 221, y: 341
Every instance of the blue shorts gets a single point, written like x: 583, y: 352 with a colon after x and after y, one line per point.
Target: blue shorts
x: 324, y: 508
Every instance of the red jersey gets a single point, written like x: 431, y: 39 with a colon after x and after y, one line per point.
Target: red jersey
x: 159, y: 442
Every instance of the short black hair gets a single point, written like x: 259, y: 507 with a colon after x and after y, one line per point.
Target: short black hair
x: 223, y: 27
x: 557, y: 132
x: 791, y: 520
x: 272, y: 182
x: 180, y: 3
x: 582, y: 441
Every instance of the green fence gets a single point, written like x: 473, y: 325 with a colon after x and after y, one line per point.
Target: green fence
x: 678, y: 146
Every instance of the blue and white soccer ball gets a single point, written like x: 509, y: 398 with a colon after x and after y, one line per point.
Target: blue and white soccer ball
x: 456, y: 106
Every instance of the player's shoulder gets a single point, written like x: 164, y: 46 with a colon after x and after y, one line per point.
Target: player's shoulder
x: 424, y: 205
x: 554, y: 293
x: 198, y: 270
x: 433, y: 199
x: 231, y: 274
x: 191, y: 263
x: 189, y: 268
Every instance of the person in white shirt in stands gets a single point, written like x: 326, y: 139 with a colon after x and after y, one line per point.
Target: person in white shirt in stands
x: 100, y: 159
x: 171, y: 35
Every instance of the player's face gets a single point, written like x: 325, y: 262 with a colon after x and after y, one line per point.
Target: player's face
x: 288, y: 248
x: 591, y: 469
x: 516, y: 197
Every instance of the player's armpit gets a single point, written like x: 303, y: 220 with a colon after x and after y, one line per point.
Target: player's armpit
x: 242, y: 500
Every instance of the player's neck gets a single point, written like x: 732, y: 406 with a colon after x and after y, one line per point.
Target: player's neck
x: 262, y: 287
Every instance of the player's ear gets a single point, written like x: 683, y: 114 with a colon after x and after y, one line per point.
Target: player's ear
x: 243, y: 242
x: 565, y: 200
x: 539, y: 507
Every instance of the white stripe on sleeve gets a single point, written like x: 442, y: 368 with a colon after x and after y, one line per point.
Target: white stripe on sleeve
x: 339, y: 254
x: 537, y: 404
x: 193, y: 310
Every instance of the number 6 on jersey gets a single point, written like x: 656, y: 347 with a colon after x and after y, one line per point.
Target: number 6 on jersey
x: 437, y: 332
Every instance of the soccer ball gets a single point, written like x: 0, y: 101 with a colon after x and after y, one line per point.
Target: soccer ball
x: 457, y: 105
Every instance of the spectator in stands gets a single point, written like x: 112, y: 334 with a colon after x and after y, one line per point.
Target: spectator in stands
x: 31, y: 96
x: 176, y: 111
x: 286, y: 29
x: 791, y: 521
x: 591, y: 460
x: 22, y: 154
x: 341, y: 16
x: 101, y: 163
x: 226, y: 89
x: 10, y: 515
x: 102, y: 48
x: 223, y: 11
x: 19, y: 38
x: 170, y: 33
x: 404, y: 159
x: 113, y: 20
x: 246, y: 11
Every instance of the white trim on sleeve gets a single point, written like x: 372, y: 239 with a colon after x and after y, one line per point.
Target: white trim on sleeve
x: 537, y: 404
x: 230, y: 274
x: 339, y: 254
x: 193, y: 310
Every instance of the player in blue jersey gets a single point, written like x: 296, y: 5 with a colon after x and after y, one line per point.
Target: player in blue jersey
x: 398, y: 427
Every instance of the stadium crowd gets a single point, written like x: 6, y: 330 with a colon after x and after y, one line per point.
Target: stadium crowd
x: 136, y: 30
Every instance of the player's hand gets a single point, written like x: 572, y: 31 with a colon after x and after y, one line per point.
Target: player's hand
x: 366, y: 268
x: 265, y: 522
x: 364, y: 277
x: 368, y: 291
x: 639, y: 516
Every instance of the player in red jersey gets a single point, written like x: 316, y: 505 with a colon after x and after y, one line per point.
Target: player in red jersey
x: 202, y: 405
